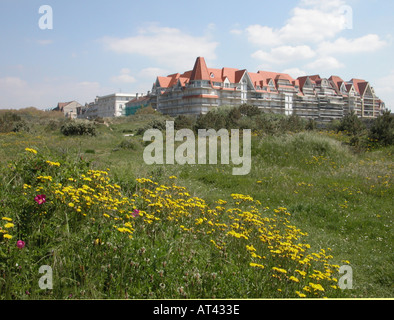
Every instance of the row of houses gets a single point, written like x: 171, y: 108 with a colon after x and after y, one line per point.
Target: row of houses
x: 201, y: 89
x: 112, y: 105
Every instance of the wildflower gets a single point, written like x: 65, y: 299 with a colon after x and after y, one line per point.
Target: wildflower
x: 31, y: 150
x: 71, y: 204
x: 40, y: 198
x: 7, y: 236
x: 252, y: 264
x: 7, y: 219
x: 279, y: 270
x: 135, y: 213
x: 20, y: 244
x: 292, y: 278
x: 301, y: 295
x: 316, y: 286
x: 51, y: 163
x: 9, y: 225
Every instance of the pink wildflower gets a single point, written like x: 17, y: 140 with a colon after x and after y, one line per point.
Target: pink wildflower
x: 20, y: 244
x: 40, y: 198
x: 135, y: 213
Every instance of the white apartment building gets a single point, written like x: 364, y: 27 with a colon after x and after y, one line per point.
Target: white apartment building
x: 201, y: 89
x: 111, y: 105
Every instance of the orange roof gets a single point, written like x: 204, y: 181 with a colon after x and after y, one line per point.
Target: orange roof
x: 200, y: 70
x: 164, y: 81
x: 337, y: 81
x: 360, y: 85
x: 260, y: 80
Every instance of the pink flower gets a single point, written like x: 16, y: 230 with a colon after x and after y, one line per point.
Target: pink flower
x: 135, y: 213
x: 20, y: 244
x: 40, y: 198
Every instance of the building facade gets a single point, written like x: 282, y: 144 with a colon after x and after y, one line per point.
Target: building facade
x: 199, y: 90
x: 69, y: 109
x: 112, y: 105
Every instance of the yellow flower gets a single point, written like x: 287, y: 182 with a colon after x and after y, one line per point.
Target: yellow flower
x: 6, y: 219
x: 292, y: 278
x: 279, y: 270
x: 7, y: 236
x: 252, y: 264
x: 71, y: 204
x: 9, y: 225
x: 316, y: 286
x: 250, y: 248
x: 51, y: 163
x: 31, y: 150
x: 301, y: 295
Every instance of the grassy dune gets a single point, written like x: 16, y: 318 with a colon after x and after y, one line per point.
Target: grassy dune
x: 309, y: 205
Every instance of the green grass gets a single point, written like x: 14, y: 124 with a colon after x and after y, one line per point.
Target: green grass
x: 342, y: 199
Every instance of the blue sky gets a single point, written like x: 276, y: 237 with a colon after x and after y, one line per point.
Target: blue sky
x: 101, y: 47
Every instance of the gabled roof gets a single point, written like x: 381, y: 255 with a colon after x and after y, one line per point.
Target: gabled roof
x: 163, y: 81
x: 337, y: 82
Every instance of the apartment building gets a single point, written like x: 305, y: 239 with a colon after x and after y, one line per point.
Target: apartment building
x: 111, y: 105
x: 199, y: 90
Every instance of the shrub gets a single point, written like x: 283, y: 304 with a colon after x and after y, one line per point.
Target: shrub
x: 129, y: 144
x: 311, y: 125
x: 12, y: 122
x: 382, y: 130
x: 351, y: 124
x: 78, y: 128
x: 211, y: 120
x: 184, y: 122
x: 147, y: 110
x: 248, y: 110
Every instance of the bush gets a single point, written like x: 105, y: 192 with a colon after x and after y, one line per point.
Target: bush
x: 130, y: 144
x: 184, y: 122
x: 80, y: 128
x: 146, y: 110
x: 12, y: 122
x: 211, y: 120
x: 351, y: 124
x: 382, y: 130
x: 249, y: 110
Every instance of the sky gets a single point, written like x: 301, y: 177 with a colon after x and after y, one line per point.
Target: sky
x: 77, y: 50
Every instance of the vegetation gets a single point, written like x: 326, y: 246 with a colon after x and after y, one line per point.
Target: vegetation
x: 111, y: 226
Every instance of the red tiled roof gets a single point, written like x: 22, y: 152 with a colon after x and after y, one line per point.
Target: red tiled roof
x: 360, y: 85
x: 200, y: 70
x: 164, y: 81
x: 259, y: 80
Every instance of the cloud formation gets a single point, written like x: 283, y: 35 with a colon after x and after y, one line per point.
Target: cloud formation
x: 166, y: 46
x: 311, y: 32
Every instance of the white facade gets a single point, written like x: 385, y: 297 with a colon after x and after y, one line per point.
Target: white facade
x: 112, y: 105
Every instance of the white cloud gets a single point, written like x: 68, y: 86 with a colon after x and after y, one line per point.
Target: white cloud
x: 152, y: 72
x: 124, y: 77
x: 295, y: 72
x: 384, y: 89
x: 17, y: 93
x: 312, y: 22
x: 311, y: 32
x: 367, y: 43
x: 169, y: 46
x: 323, y: 64
x: 263, y: 35
x: 284, y: 54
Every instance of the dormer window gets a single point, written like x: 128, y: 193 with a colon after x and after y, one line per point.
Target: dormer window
x: 212, y: 75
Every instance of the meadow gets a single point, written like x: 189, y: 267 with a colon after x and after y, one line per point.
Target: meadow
x: 112, y: 227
